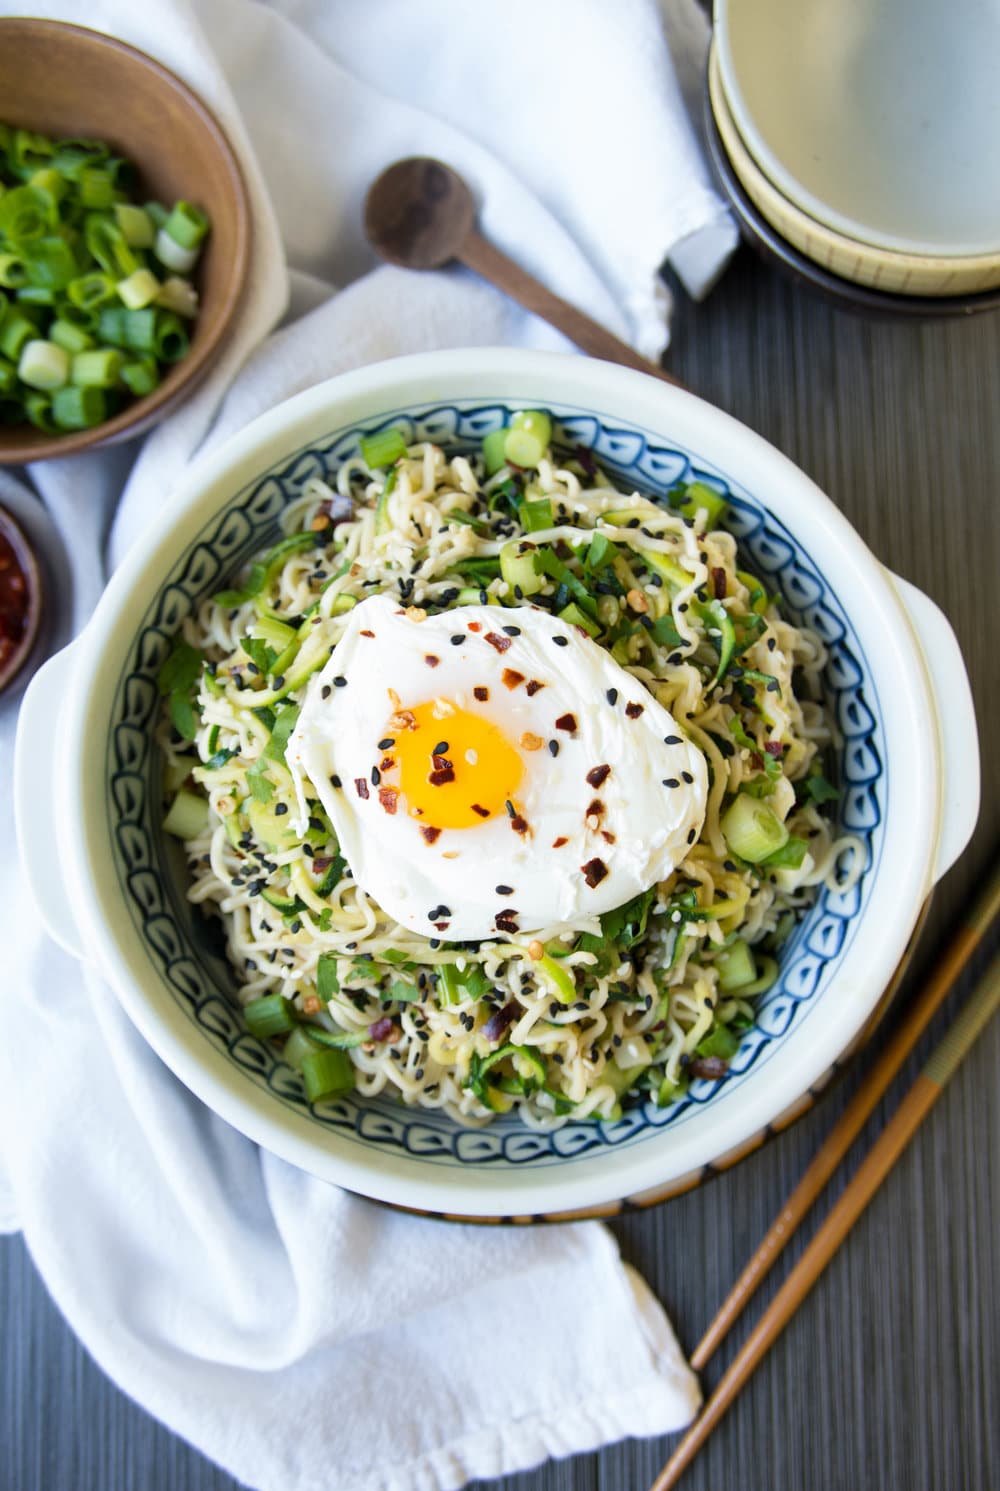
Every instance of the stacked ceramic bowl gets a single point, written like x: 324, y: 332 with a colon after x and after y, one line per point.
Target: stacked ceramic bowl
x: 860, y: 144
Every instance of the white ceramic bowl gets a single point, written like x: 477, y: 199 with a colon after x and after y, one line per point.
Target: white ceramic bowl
x: 863, y: 263
x: 879, y: 119
x: 86, y: 777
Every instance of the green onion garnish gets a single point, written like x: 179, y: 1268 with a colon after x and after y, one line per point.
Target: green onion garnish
x: 384, y: 448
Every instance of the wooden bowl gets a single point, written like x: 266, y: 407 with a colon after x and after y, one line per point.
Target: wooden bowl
x: 64, y: 80
x: 24, y: 556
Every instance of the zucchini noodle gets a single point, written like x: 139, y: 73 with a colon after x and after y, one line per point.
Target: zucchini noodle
x: 578, y: 1018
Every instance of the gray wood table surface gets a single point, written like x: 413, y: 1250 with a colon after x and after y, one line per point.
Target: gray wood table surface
x: 888, y: 1376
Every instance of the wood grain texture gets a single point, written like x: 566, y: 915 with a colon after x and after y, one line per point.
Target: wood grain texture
x: 888, y: 1376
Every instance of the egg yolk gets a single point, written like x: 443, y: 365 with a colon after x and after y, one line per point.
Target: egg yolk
x: 455, y: 771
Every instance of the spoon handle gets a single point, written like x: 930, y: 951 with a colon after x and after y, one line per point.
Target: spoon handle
x: 479, y: 254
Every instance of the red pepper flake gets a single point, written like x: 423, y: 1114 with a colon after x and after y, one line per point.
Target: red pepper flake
x: 533, y: 687
x: 483, y: 812
x: 710, y: 1067
x: 566, y: 722
x: 634, y: 710
x: 387, y: 763
x: 598, y: 775
x: 383, y: 1030
x: 481, y: 693
x: 367, y: 634
x: 361, y: 786
x: 431, y: 660
x: 519, y: 824
x: 596, y: 809
x: 594, y: 871
x: 506, y: 921
x: 441, y: 763
x: 441, y: 777
x: 719, y: 583
x: 756, y: 761
x: 558, y: 843
x: 511, y: 678
x: 388, y: 797
x: 495, y: 639
x: 321, y: 862
x: 496, y: 1025
x: 608, y: 838
x: 475, y: 626
x: 774, y: 748
x: 431, y: 835
x: 442, y: 926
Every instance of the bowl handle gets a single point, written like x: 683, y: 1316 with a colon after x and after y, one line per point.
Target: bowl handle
x: 956, y: 722
x: 37, y: 800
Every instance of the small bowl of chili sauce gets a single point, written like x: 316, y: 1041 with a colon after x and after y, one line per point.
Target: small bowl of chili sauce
x: 20, y: 599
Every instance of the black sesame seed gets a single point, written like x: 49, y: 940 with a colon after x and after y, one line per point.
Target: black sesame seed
x: 612, y: 696
x: 253, y: 669
x: 434, y: 942
x: 384, y: 745
x: 671, y: 782
x: 674, y: 659
x: 296, y: 926
x: 561, y: 641
x: 512, y: 631
x: 449, y: 595
x: 771, y: 644
x: 419, y: 1073
x: 656, y: 580
x: 511, y: 810
x: 279, y: 682
x: 335, y: 781
x: 280, y: 809
x: 691, y: 836
x: 317, y: 824
x: 518, y: 593
x: 376, y: 776
x: 554, y: 747
x: 441, y: 749
x: 504, y: 890
x: 687, y: 777
x: 340, y: 682
x: 457, y: 640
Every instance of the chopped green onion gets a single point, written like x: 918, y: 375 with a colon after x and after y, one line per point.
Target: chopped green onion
x: 186, y: 225
x: 97, y: 369
x: 535, y: 516
x: 79, y: 408
x: 493, y: 451
x: 38, y: 407
x: 137, y: 227
x: 15, y: 330
x: 517, y: 566
x: 698, y: 496
x: 72, y: 338
x: 788, y: 857
x: 140, y: 376
x: 105, y: 242
x: 752, y: 829
x: 576, y: 617
x: 139, y: 289
x: 735, y: 967
x: 13, y: 271
x: 138, y: 329
x: 96, y: 186
x: 188, y: 815
x: 178, y: 295
x: 528, y: 437
x: 172, y: 340
x: 43, y: 365
x: 326, y: 1073
x: 172, y: 255
x: 25, y: 215
x: 384, y: 448
x: 270, y: 1015
x: 89, y: 291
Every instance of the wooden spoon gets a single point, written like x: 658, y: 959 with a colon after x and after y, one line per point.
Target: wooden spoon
x: 421, y: 214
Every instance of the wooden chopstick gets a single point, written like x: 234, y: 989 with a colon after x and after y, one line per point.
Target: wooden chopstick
x: 984, y: 910
x: 924, y: 1092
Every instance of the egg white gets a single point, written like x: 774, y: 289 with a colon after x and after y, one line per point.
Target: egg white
x: 448, y: 889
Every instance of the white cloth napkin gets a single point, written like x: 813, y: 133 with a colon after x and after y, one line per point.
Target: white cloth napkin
x: 297, y: 1335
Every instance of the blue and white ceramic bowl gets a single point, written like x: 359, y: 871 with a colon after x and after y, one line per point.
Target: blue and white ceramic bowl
x: 908, y: 767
